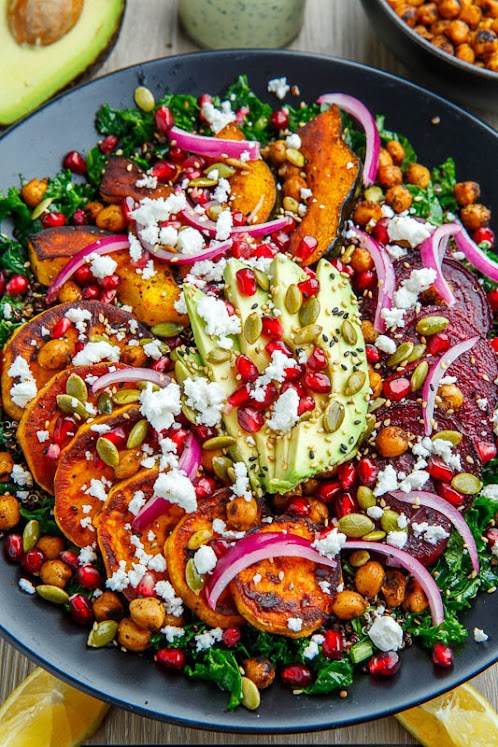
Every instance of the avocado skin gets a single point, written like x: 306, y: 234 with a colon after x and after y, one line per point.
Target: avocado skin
x: 31, y: 75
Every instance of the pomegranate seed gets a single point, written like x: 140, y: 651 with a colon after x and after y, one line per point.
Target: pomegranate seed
x: 246, y: 368
x: 329, y: 490
x: 265, y: 250
x: 33, y: 560
x: 294, y: 373
x: 230, y: 308
x: 98, y: 462
x: 79, y: 218
x: 345, y: 504
x: 379, y: 231
x: 91, y: 292
x: 195, y: 162
x: 347, y: 475
x: 220, y: 547
x: 177, y: 155
x: 309, y: 287
x: 17, y: 285
x: 146, y: 587
x: 305, y: 248
x: 317, y: 360
x: 2, y: 283
x: 231, y: 636
x: 281, y: 239
x: 279, y: 120
x: 299, y: 506
x: 240, y: 396
x: 164, y: 171
x: 439, y: 470
x: 296, y: 675
x: 494, y: 344
x: 108, y: 144
x: 272, y: 327
x: 250, y: 419
x: 486, y: 450
x: 241, y: 113
x: 110, y: 282
x: 199, y: 195
x: 75, y: 162
x: 70, y: 558
x: 438, y: 344
x: 296, y: 385
x: 78, y: 346
x: 396, y: 389
x: 53, y: 451
x: 204, y: 98
x: 493, y: 300
x: 366, y: 471
x: 317, y: 382
x: 162, y: 364
x: 83, y: 275
x: 108, y: 296
x: 306, y: 404
x: 442, y: 655
x: 385, y: 664
x: 204, y: 487
x: 246, y: 281
x: 484, y: 234
x: 372, y: 353
x: 491, y: 536
x: 241, y: 249
x: 273, y: 345
x: 238, y: 218
x: 80, y: 609
x: 164, y: 119
x: 172, y: 658
x: 13, y: 548
x: 64, y: 429
x: 309, y: 272
x: 365, y: 280
x: 341, y: 267
x: 117, y: 436
x: 127, y: 207
x: 203, y: 432
x: 89, y: 577
x: 332, y: 645
x: 270, y: 395
x: 450, y: 494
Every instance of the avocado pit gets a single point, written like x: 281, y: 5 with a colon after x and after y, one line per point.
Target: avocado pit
x: 42, y: 22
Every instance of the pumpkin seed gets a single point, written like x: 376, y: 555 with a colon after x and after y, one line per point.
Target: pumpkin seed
x: 199, y: 538
x: 225, y: 171
x: 144, y: 98
x: 219, y: 442
x: 203, y: 181
x: 333, y: 416
x: 359, y: 558
x: 72, y: 406
x: 374, y: 536
x: 355, y: 383
x: 181, y: 372
x: 145, y: 341
x: 251, y: 697
x: 237, y: 164
x: 308, y: 334
x: 466, y: 483
x: 76, y: 387
x: 102, y: 633
x: 293, y: 299
x: 189, y: 414
x: 347, y: 253
x: 194, y: 580
x: 126, y: 396
x: 374, y: 404
x: 30, y: 535
x: 141, y: 385
x: 419, y: 376
x: 107, y: 451
x: 309, y: 311
x: 167, y: 329
x: 431, y: 325
x: 365, y: 497
x: 99, y: 338
x: 295, y: 157
x: 417, y: 352
x: 137, y: 434
x: 104, y: 404
x: 454, y: 437
x: 290, y: 204
x: 41, y: 207
x: 401, y: 353
x: 231, y: 474
x: 261, y: 279
x: 214, y: 211
x: 374, y: 194
x: 53, y: 594
x: 349, y: 333
x: 218, y: 355
x: 369, y: 426
x: 389, y: 520
x: 220, y: 467
x: 355, y: 525
x: 253, y: 326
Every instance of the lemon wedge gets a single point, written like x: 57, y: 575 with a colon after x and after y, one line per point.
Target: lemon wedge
x: 459, y: 718
x: 45, y: 712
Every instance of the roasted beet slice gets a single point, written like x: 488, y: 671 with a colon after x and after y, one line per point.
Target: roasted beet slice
x: 426, y: 552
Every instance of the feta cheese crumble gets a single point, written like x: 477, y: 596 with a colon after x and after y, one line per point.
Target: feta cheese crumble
x: 295, y: 624
x: 405, y: 228
x: 206, y: 639
x: 94, y: 352
x: 205, y: 559
x: 285, y: 412
x: 101, y: 267
x: 279, y: 87
x: 175, y: 487
x: 480, y: 636
x: 240, y: 487
x: 207, y: 398
x: 218, y: 321
x: 386, y: 634
x: 331, y: 544
x: 162, y: 406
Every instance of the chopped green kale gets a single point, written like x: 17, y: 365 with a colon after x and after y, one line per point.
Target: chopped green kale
x: 219, y: 666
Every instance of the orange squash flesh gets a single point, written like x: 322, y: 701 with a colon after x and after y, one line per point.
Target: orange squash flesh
x: 120, y: 180
x: 50, y: 250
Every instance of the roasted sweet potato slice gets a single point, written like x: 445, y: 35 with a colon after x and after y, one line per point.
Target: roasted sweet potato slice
x: 178, y: 554
x: 120, y: 180
x: 80, y: 470
x: 253, y: 189
x: 114, y: 528
x: 46, y: 356
x: 50, y: 250
x: 332, y: 173
x: 272, y: 592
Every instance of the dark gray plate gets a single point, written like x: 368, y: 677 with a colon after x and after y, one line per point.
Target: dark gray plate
x: 34, y: 148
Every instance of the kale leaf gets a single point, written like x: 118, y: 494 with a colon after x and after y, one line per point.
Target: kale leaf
x: 278, y: 649
x: 67, y: 195
x: 444, y: 179
x: 220, y: 666
x: 387, y: 135
x: 95, y: 165
x: 133, y: 126
x: 13, y: 207
x: 330, y: 676
x: 12, y: 256
x: 43, y: 512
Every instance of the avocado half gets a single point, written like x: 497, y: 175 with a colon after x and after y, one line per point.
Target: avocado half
x: 32, y: 74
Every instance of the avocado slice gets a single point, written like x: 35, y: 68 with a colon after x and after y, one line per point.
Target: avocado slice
x: 32, y: 74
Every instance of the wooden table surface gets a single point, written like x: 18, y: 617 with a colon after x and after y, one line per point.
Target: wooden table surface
x: 150, y: 30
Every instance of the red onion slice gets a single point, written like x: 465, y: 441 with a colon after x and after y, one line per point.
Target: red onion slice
x: 359, y: 111
x: 432, y: 252
x: 436, y: 373
x: 130, y: 374
x: 213, y: 147
x: 190, y: 459
x: 432, y: 500
x: 257, y: 230
x: 103, y: 246
x: 476, y: 256
x: 177, y: 258
x: 253, y: 548
x: 385, y: 275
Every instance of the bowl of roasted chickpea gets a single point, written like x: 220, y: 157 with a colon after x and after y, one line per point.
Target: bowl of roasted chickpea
x: 452, y: 45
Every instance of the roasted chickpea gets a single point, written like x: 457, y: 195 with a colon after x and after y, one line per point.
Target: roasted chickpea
x: 148, y: 613
x: 442, y: 42
x: 108, y: 607
x: 241, y: 514
x: 391, y: 441
x: 475, y: 216
x: 176, y: 622
x: 133, y: 355
x: 423, y: 32
x: 292, y: 187
x: 50, y: 546
x: 385, y: 158
x: 348, y: 605
x: 450, y: 397
x: 458, y: 32
x: 55, y: 573
x: 396, y: 151
x: 466, y: 53
x: 393, y: 588
x: 366, y: 211
x: 485, y: 43
x: 10, y: 515
x: 439, y: 27
x: 369, y: 578
x: 111, y: 218
x: 399, y: 198
x: 389, y: 176
x: 33, y: 191
x: 471, y: 14
x: 310, y: 486
x: 92, y: 209
x: 260, y: 670
x: 415, y: 598
x: 418, y: 175
x: 288, y: 170
x: 369, y: 332
x: 277, y: 152
x: 131, y: 636
x: 375, y: 380
x: 492, y: 63
x: 129, y: 463
x: 407, y: 13
x: 55, y: 354
x: 466, y: 193
x: 319, y: 512
x: 427, y: 14
x: 69, y: 291
x: 361, y: 260
x: 449, y: 9
x: 6, y: 465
